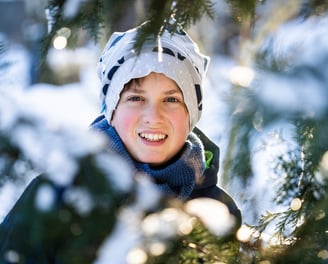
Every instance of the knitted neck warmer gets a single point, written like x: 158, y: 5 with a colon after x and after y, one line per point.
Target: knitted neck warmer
x: 177, y: 178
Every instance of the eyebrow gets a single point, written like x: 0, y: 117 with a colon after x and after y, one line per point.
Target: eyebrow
x: 173, y: 91
x: 135, y: 89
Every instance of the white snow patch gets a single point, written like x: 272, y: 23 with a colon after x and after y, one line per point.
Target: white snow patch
x: 45, y: 197
x: 118, y: 171
x: 214, y: 214
x: 122, y: 240
x: 80, y: 199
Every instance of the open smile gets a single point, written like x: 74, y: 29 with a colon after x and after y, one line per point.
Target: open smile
x: 154, y: 137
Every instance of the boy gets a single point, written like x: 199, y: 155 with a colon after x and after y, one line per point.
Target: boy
x: 152, y: 100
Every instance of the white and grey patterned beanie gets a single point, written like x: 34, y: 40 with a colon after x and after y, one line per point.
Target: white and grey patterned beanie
x: 175, y: 55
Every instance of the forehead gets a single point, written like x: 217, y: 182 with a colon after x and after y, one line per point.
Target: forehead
x: 153, y: 80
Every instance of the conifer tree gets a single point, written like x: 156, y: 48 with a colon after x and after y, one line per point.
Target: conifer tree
x: 301, y: 173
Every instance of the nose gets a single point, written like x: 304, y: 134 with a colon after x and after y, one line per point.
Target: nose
x: 153, y: 114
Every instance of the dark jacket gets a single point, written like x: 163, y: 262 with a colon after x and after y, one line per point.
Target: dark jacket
x: 208, y: 187
x: 60, y: 233
x: 49, y: 236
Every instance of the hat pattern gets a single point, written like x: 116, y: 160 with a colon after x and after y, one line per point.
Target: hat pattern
x: 178, y: 49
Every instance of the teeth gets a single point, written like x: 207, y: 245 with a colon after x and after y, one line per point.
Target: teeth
x: 152, y: 137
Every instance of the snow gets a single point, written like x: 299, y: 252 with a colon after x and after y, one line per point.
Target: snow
x: 80, y: 199
x: 129, y: 226
x: 16, y: 74
x: 295, y: 45
x: 74, y: 106
x: 147, y: 195
x: 127, y: 230
x: 302, y: 42
x: 111, y: 165
x: 71, y: 8
x: 67, y: 105
x: 45, y: 198
x: 164, y: 224
x: 301, y: 94
x: 8, y: 195
x: 58, y: 117
x: 214, y: 214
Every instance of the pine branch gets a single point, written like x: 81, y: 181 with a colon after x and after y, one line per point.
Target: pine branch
x: 187, y: 13
x: 243, y: 8
x: 92, y: 18
x: 173, y: 15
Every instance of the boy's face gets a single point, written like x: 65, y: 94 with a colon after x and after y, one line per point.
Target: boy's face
x: 152, y: 119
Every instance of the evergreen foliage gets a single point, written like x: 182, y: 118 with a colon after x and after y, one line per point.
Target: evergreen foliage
x: 301, y: 173
x: 98, y: 15
x: 243, y: 9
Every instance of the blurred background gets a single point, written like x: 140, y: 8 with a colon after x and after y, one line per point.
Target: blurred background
x: 265, y: 94
x: 58, y: 75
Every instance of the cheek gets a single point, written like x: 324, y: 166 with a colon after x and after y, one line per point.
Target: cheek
x: 181, y: 123
x: 182, y: 119
x: 123, y: 118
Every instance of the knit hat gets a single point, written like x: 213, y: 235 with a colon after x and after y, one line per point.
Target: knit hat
x: 173, y: 54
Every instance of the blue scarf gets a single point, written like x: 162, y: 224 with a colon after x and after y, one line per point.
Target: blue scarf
x: 175, y: 179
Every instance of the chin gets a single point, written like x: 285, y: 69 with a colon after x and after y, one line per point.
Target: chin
x: 153, y: 162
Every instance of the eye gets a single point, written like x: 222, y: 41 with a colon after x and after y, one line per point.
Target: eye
x: 134, y: 98
x: 172, y: 100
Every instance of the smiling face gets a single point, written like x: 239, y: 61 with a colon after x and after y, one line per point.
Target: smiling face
x: 151, y: 119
